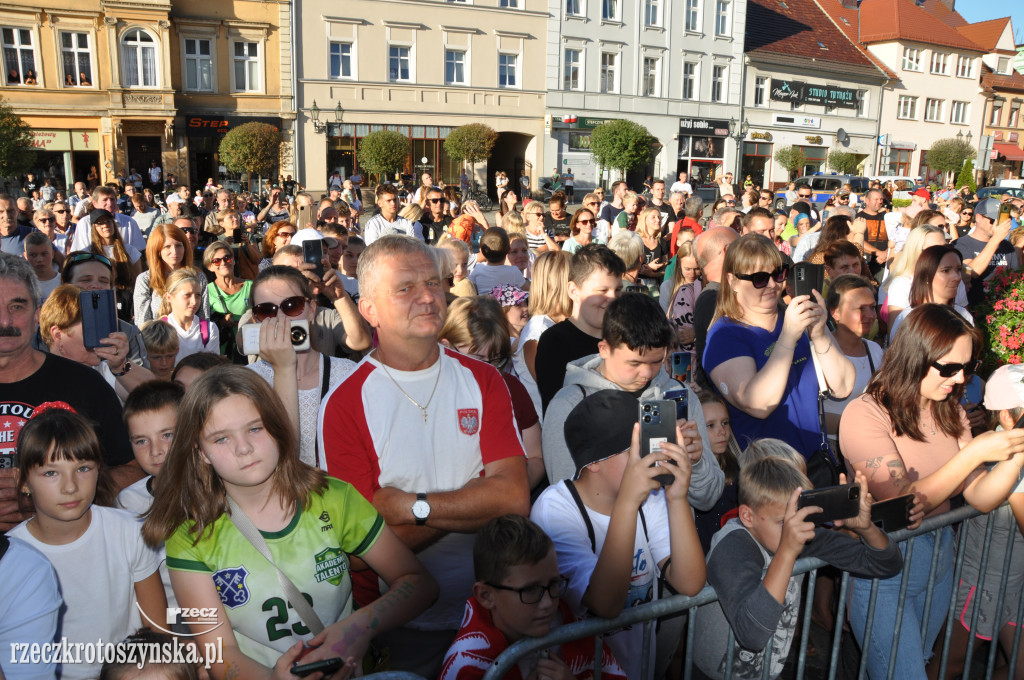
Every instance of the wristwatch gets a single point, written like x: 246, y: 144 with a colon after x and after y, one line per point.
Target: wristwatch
x: 421, y: 509
x: 124, y: 369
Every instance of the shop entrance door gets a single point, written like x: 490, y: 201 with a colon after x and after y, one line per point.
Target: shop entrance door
x: 141, y: 151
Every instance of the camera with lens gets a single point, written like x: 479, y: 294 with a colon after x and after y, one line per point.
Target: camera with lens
x: 299, y: 335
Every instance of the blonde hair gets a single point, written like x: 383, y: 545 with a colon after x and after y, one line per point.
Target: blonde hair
x: 159, y: 337
x: 61, y: 309
x: 685, y: 250
x: 759, y: 449
x: 770, y: 480
x: 412, y: 212
x: 456, y: 246
x: 641, y: 223
x: 906, y: 260
x: 512, y: 222
x: 549, y: 287
x: 749, y: 253
x: 177, y: 278
x: 478, y: 322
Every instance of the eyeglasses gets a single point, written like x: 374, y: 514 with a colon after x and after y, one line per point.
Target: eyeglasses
x: 803, y: 195
x: 44, y: 219
x: 730, y: 202
x: 967, y: 213
x: 435, y: 200
x: 760, y: 279
x: 764, y: 198
x: 535, y: 593
x: 227, y: 259
x: 584, y: 221
x: 293, y: 306
x: 949, y: 370
x: 87, y: 257
x: 286, y: 234
x: 190, y: 230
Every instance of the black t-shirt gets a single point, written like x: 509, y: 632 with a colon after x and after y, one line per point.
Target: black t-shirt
x: 29, y: 187
x: 85, y: 390
x: 1004, y: 257
x: 289, y: 187
x: 559, y: 345
x: 609, y: 213
x: 432, y: 230
x: 557, y: 227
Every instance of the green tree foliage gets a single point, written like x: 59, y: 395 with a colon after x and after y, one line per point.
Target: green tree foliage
x: 792, y: 158
x: 621, y: 144
x: 471, y: 143
x: 253, y: 148
x: 948, y: 155
x: 383, y: 151
x: 966, y: 176
x: 843, y: 162
x: 16, y: 151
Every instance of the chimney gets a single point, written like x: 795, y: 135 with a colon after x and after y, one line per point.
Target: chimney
x: 951, y: 4
x: 850, y: 4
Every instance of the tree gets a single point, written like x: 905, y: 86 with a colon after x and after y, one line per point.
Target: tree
x: 383, y: 151
x: 471, y: 143
x: 253, y: 148
x: 16, y: 150
x: 966, y: 176
x: 621, y: 144
x: 791, y: 158
x: 843, y: 162
x: 948, y: 155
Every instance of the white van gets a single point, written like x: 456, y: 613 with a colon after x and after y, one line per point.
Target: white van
x: 1015, y: 183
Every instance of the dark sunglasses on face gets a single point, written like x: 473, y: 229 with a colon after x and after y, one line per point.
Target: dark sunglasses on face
x: 286, y: 234
x: 435, y: 200
x: 227, y: 259
x: 584, y: 221
x: 189, y: 230
x: 803, y: 195
x: 760, y: 279
x: 949, y: 370
x: 293, y: 306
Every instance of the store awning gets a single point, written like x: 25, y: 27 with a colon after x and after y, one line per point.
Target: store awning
x: 1011, y: 151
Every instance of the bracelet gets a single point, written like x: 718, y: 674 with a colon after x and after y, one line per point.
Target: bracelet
x: 124, y: 369
x: 821, y: 354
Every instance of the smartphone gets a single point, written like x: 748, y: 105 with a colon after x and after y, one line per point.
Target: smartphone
x: 682, y: 400
x: 313, y: 253
x: 657, y: 425
x: 1020, y: 423
x: 325, y: 666
x: 238, y: 235
x: 1004, y: 213
x: 99, y: 316
x: 836, y: 502
x: 251, y: 336
x: 8, y: 460
x: 681, y: 366
x: 303, y: 220
x: 807, y: 277
x: 893, y: 514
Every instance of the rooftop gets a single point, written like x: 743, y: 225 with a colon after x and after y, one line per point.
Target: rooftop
x: 892, y: 20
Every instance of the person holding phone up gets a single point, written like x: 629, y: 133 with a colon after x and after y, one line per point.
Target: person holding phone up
x: 909, y: 434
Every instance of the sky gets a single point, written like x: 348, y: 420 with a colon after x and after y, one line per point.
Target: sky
x: 983, y: 10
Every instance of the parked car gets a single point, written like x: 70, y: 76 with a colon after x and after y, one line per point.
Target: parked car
x: 822, y: 187
x: 987, y: 192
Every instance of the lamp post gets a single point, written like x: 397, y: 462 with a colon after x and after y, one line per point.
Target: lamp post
x: 314, y: 115
x: 739, y: 131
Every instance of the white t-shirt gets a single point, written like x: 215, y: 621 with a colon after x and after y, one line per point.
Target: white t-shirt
x: 47, y: 287
x: 681, y: 186
x: 133, y: 253
x: 558, y: 515
x: 191, y: 341
x: 29, y: 607
x: 154, y: 174
x: 137, y: 500
x: 309, y: 401
x: 898, y: 293
x: 531, y: 331
x: 486, y: 276
x: 377, y: 226
x: 97, y: 574
x: 863, y: 367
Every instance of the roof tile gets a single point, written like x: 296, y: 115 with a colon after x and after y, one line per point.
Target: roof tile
x: 985, y: 34
x: 889, y: 20
x: 799, y: 28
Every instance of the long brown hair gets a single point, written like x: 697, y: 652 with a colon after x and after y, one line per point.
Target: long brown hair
x: 123, y: 274
x: 926, y: 335
x: 188, y: 489
x: 157, y: 239
x: 267, y: 247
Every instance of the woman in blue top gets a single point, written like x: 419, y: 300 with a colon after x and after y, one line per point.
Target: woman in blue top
x: 758, y: 354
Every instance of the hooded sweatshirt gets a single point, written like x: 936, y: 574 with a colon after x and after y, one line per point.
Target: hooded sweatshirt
x: 583, y: 378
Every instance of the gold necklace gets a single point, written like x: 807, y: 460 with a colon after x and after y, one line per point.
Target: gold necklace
x: 422, y: 407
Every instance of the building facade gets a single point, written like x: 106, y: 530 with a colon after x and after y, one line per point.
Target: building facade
x: 422, y: 68
x: 675, y: 67
x: 94, y: 83
x: 230, y: 64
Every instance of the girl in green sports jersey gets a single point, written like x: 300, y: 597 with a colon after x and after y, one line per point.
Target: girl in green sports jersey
x: 234, y: 440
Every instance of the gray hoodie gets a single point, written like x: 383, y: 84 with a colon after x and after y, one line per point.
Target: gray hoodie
x: 707, y: 479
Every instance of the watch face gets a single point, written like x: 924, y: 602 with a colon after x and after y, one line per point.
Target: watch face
x: 420, y: 509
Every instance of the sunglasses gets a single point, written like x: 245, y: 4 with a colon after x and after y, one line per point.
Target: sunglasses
x: 803, y: 195
x: 949, y: 370
x: 760, y: 279
x: 584, y: 221
x: 286, y: 234
x: 227, y: 259
x: 44, y: 219
x: 968, y: 213
x: 730, y: 202
x: 293, y: 306
x: 88, y: 257
x: 189, y: 230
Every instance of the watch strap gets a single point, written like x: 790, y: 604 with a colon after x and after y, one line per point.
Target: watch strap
x: 420, y: 521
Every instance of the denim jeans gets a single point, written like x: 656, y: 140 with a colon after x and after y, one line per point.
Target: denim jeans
x: 913, y: 650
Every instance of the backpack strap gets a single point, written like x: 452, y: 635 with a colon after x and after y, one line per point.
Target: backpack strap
x: 871, y: 362
x: 583, y: 511
x: 325, y: 385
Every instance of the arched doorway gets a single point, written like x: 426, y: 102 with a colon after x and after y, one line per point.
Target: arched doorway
x: 509, y: 154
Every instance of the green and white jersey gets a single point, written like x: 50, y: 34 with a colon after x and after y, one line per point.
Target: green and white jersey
x: 312, y: 550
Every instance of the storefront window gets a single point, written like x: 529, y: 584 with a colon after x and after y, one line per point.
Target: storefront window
x: 756, y: 159
x: 702, y: 158
x: 815, y: 158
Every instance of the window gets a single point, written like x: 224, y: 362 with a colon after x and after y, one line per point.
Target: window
x: 1014, y: 115
x: 933, y: 110
x: 964, y: 67
x: 19, y: 57
x: 138, y: 59
x: 76, y: 58
x: 610, y: 10
x: 398, y: 63
x: 911, y: 59
x: 761, y: 91
x: 652, y: 12
x: 722, y: 17
x: 650, y: 81
x: 507, y: 64
x: 341, y: 60
x: 513, y: 4
x: 454, y: 67
x: 1004, y: 65
x: 572, y: 8
x: 958, y: 113
x: 571, y: 77
x: 198, y: 65
x: 689, y: 80
x: 609, y: 72
x: 693, y: 15
x: 718, y: 76
x: 907, y: 107
x: 997, y: 113
x: 247, y: 67
x: 862, y: 102
x: 939, y: 62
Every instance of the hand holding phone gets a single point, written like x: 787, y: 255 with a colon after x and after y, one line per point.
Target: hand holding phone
x: 893, y: 514
x: 326, y: 666
x: 836, y: 502
x: 657, y: 425
x: 313, y: 253
x: 99, y: 316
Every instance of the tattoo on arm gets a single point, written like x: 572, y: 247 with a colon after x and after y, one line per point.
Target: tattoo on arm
x: 898, y: 474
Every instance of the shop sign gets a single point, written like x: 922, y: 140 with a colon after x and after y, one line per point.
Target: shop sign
x: 791, y: 120
x: 579, y: 140
x: 799, y: 92
x: 704, y: 126
x: 51, y: 140
x: 766, y: 136
x: 85, y: 140
x: 813, y: 139
x: 788, y: 90
x: 214, y: 126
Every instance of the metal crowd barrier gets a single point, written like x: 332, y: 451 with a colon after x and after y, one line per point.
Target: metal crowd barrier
x: 647, y: 614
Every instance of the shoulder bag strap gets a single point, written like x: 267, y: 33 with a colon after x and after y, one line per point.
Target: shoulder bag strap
x: 583, y: 511
x: 325, y: 386
x: 871, y: 362
x: 295, y: 598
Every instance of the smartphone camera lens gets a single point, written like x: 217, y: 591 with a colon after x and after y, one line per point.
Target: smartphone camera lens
x: 647, y: 408
x: 647, y: 419
x: 854, y: 493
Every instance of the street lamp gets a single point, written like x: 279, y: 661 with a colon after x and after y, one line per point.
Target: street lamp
x: 739, y: 133
x: 314, y: 115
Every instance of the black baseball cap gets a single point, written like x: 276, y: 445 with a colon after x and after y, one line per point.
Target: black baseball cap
x: 600, y: 427
x: 97, y: 214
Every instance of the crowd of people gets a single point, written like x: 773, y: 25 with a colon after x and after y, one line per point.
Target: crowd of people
x: 407, y: 433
